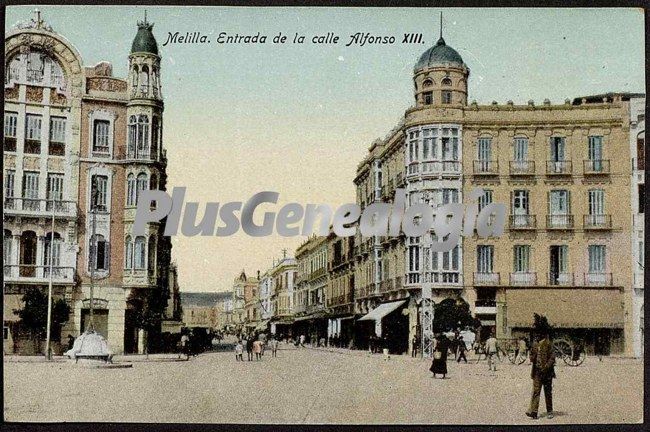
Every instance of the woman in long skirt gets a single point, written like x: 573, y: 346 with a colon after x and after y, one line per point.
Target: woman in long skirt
x: 440, y: 350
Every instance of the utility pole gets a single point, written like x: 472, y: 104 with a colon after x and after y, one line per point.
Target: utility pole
x: 93, y: 256
x: 48, y: 353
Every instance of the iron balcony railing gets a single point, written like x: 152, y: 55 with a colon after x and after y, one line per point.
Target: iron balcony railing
x: 560, y: 278
x: 596, y: 166
x: 559, y: 221
x: 37, y: 273
x: 10, y: 144
x: 597, y: 221
x: 598, y: 279
x: 485, y: 303
x: 524, y: 167
x: 486, y: 167
x: 523, y: 278
x: 559, y: 167
x: 486, y: 278
x: 523, y: 221
x: 39, y: 207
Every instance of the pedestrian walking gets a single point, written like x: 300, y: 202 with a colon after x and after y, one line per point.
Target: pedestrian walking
x: 302, y: 341
x: 522, y: 349
x: 461, y: 350
x: 185, y: 345
x: 440, y: 351
x: 492, y: 351
x: 274, y: 346
x: 542, y: 358
x: 257, y: 349
x: 239, y: 351
x: 249, y: 348
x: 416, y: 344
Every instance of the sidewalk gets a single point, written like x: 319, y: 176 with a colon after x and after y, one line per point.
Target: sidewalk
x: 128, y: 358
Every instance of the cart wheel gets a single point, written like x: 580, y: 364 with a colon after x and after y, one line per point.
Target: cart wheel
x: 578, y: 356
x: 563, y: 350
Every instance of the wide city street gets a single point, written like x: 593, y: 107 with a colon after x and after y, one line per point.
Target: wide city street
x: 317, y: 386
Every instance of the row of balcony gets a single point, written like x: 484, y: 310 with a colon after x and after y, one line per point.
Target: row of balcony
x: 39, y: 207
x: 561, y: 222
x: 58, y: 149
x: 34, y: 147
x: 526, y: 168
x: 552, y: 278
x: 29, y: 273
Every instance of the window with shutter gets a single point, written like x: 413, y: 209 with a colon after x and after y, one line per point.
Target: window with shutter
x: 640, y: 152
x: 101, y: 136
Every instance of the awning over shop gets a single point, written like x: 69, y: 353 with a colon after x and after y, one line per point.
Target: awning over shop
x: 382, y: 310
x: 12, y: 302
x: 566, y: 308
x: 317, y: 315
x: 262, y: 325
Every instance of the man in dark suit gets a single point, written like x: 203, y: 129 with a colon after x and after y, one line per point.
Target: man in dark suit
x: 542, y: 358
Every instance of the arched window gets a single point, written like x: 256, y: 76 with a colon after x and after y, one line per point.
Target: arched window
x: 6, y: 252
x: 134, y: 78
x: 151, y: 264
x: 139, y: 253
x: 142, y: 183
x: 128, y: 253
x: 427, y: 83
x: 144, y: 80
x: 154, y: 137
x: 154, y: 81
x: 133, y: 135
x: 38, y: 67
x: 153, y: 183
x: 446, y: 81
x: 138, y: 146
x: 131, y: 190
x: 143, y: 136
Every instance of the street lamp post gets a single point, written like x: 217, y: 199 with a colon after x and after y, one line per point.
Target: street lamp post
x: 48, y: 353
x: 93, y: 258
x: 427, y: 313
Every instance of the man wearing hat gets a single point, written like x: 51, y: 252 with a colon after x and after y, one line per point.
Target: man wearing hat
x: 542, y: 358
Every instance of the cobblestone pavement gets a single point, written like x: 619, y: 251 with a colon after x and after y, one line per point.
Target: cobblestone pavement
x: 317, y: 386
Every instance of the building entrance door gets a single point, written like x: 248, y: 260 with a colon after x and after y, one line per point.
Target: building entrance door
x: 100, y: 319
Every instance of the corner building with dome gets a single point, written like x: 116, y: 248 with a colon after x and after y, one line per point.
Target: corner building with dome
x: 81, y: 145
x: 568, y: 174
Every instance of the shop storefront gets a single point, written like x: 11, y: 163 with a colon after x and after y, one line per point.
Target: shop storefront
x: 591, y: 316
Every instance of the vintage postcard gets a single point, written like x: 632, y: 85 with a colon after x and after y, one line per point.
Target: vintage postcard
x: 323, y: 215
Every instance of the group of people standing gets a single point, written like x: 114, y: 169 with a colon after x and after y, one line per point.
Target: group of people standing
x: 255, y: 345
x: 541, y: 355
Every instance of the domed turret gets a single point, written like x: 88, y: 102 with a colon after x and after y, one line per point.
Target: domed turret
x: 439, y: 55
x: 144, y: 41
x: 440, y: 76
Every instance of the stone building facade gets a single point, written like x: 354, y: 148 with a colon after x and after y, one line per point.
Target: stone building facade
x: 560, y: 170
x: 310, y: 288
x: 84, y: 144
x: 637, y: 150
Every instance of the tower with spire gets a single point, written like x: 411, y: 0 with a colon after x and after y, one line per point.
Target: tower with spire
x: 440, y: 76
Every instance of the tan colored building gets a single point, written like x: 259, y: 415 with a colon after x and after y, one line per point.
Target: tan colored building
x: 309, y: 299
x: 563, y: 172
x: 339, y: 295
x: 283, y: 275
x: 252, y: 303
x: 241, y: 285
x: 84, y: 144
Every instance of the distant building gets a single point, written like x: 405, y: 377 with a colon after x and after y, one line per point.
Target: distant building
x: 200, y: 309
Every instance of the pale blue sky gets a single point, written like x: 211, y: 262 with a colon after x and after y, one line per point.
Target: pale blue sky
x: 298, y: 118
